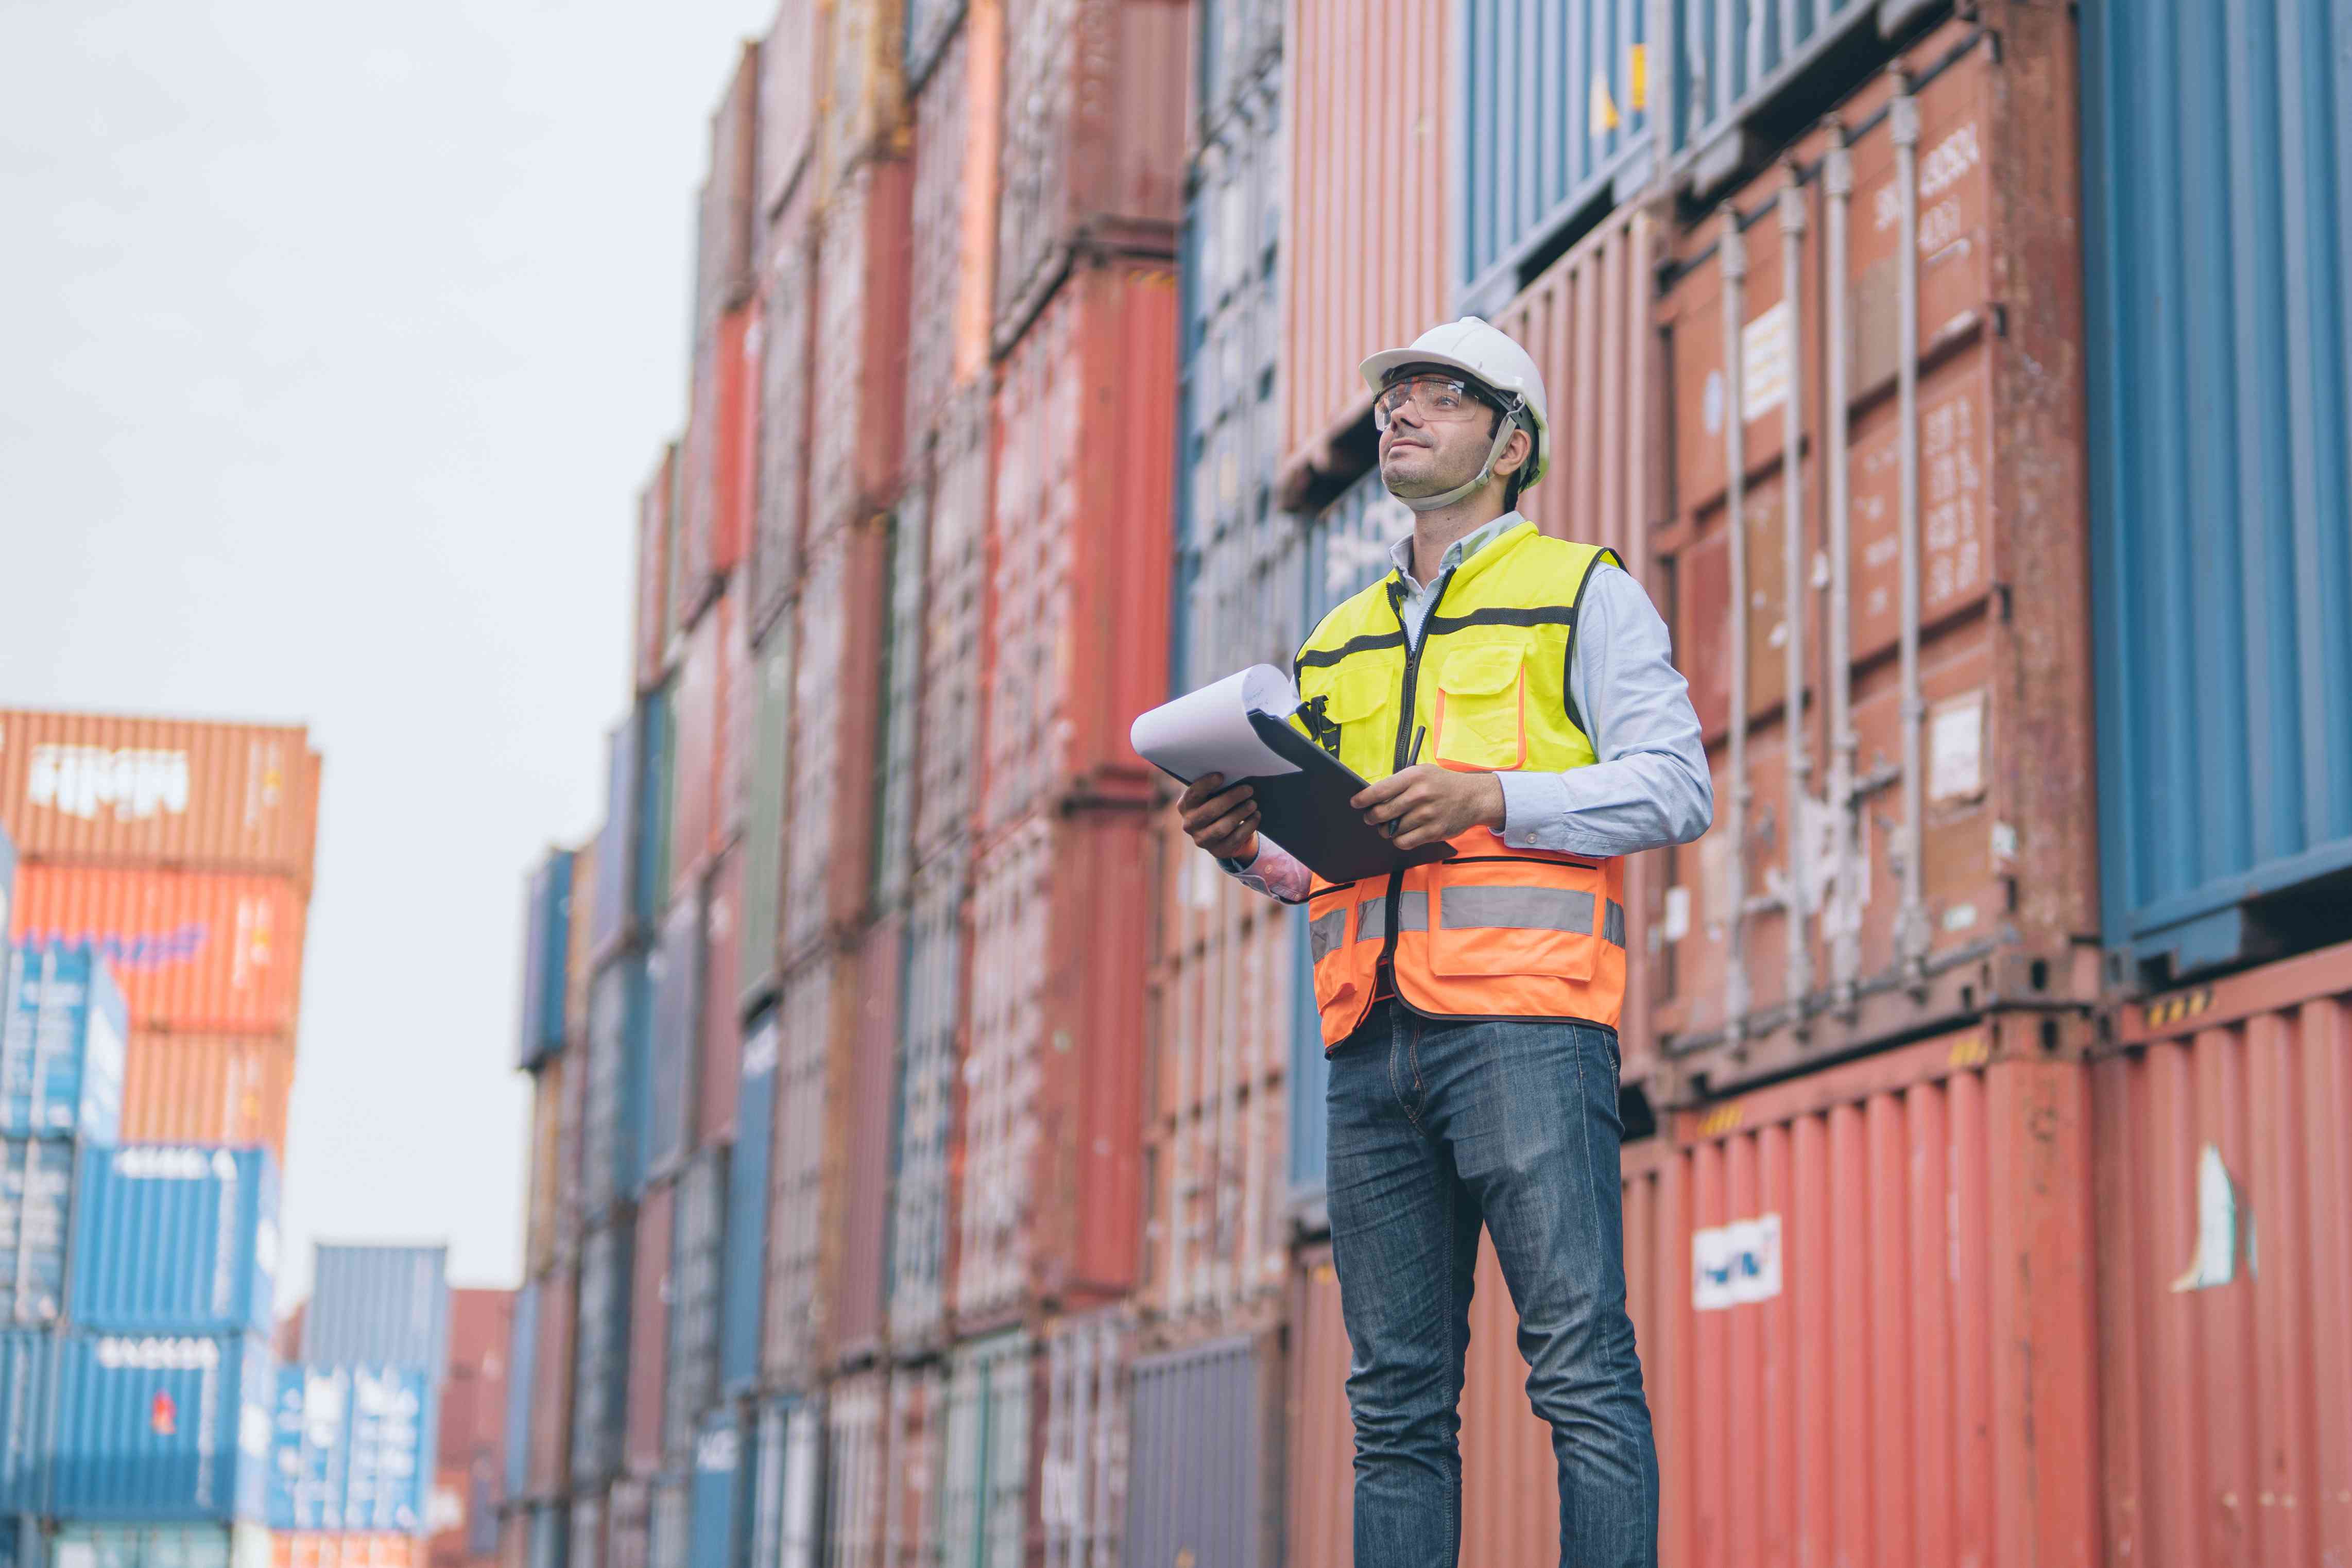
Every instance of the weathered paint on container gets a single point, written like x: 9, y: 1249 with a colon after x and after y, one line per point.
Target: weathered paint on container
x: 160, y: 1429
x: 601, y: 1347
x: 1367, y: 114
x: 1082, y: 431
x: 746, y: 1267
x: 649, y: 1314
x: 984, y: 1489
x: 656, y: 798
x: 37, y: 1190
x: 787, y: 111
x: 182, y: 1088
x: 547, y: 938
x: 1207, y: 1434
x: 556, y: 1358
x: 344, y: 1549
x: 1997, y: 773
x: 675, y: 975
x: 1216, y: 1227
x: 615, y: 904
x: 1053, y: 1074
x: 697, y: 768
x: 854, y: 1418
x: 780, y: 355
x: 154, y: 1545
x: 958, y: 122
x: 1240, y: 48
x: 2216, y: 189
x: 27, y: 1379
x: 191, y: 950
x: 718, y: 1073
x: 95, y: 789
x: 788, y: 1488
x: 1093, y: 156
x: 725, y: 220
x: 716, y: 1537
x: 862, y: 109
x: 652, y: 627
x: 62, y: 1044
x: 828, y: 856
x: 697, y: 1272
x: 717, y: 474
x: 857, y: 1318
x: 914, y: 1455
x: 2225, y: 1373
x: 760, y: 923
x: 615, y: 1115
x: 902, y: 661
x: 923, y: 1183
x: 1083, y: 1490
x: 815, y: 1015
x: 350, y: 1448
x: 958, y: 496
x: 174, y: 1240
x: 378, y: 1303
x: 863, y: 249
x: 549, y: 1087
x: 1554, y: 106
x: 522, y: 1384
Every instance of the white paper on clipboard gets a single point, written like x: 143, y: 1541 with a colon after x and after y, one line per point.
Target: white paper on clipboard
x: 1208, y: 731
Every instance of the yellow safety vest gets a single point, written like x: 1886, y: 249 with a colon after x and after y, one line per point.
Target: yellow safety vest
x: 1497, y: 932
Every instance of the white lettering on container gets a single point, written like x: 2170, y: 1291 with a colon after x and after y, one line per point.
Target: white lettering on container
x: 1735, y: 1264
x: 79, y: 779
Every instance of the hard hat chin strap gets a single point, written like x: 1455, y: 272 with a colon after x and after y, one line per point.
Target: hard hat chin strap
x: 1503, y: 429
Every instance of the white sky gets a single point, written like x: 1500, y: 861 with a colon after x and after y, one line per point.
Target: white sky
x: 334, y: 342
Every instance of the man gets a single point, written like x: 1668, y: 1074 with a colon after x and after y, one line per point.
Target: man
x: 1513, y: 695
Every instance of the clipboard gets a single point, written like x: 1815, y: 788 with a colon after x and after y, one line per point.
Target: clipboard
x: 1307, y: 813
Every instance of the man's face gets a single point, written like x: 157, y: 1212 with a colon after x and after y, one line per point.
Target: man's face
x: 1424, y: 455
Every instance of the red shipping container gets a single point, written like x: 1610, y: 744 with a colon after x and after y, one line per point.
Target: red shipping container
x: 860, y: 345
x: 873, y: 1049
x: 1095, y: 102
x: 286, y: 1340
x: 781, y: 454
x: 816, y: 1011
x: 862, y: 109
x: 954, y: 634
x: 655, y: 504
x: 957, y: 120
x: 456, y: 1494
x: 787, y: 100
x: 649, y: 1328
x: 182, y: 794
x: 715, y: 476
x: 723, y: 211
x: 1084, y: 413
x: 2226, y: 1378
x: 1054, y: 1073
x: 914, y: 1464
x: 1993, y: 772
x: 474, y: 1391
x: 207, y: 1089
x: 344, y: 1549
x: 721, y: 1075
x: 837, y: 699
x: 193, y: 952
x: 1366, y: 226
x: 547, y: 1467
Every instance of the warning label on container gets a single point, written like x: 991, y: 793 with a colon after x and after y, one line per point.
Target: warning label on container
x: 1737, y: 1263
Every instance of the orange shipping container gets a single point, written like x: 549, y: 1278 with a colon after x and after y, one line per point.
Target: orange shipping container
x: 855, y: 427
x: 1367, y: 224
x: 1084, y: 413
x: 339, y: 1549
x: 193, y: 952
x: 2226, y: 1373
x: 1094, y: 135
x: 101, y: 790
x: 781, y: 453
x: 207, y: 1089
x: 957, y: 123
x: 1876, y: 334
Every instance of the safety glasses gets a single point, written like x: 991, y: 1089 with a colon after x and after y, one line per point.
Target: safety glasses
x: 1437, y: 399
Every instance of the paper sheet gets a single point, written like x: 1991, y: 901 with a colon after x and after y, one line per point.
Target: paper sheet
x: 1208, y: 731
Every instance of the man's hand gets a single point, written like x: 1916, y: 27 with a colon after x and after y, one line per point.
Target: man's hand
x: 1429, y: 804
x: 1222, y: 821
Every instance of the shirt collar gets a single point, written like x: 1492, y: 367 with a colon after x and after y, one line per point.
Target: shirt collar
x: 1460, y: 550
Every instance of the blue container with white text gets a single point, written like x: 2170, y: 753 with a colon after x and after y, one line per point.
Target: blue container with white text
x: 350, y: 1448
x: 171, y: 1239
x: 62, y: 1038
x: 160, y: 1427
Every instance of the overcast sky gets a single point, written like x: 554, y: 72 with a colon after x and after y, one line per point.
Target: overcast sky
x: 334, y: 342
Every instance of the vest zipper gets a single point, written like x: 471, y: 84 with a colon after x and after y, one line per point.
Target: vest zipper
x: 1412, y: 644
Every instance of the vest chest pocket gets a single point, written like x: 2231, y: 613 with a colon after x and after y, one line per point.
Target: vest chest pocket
x: 1482, y: 709
x: 1354, y: 695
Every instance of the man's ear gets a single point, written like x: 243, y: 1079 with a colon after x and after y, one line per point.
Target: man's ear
x: 1516, y: 452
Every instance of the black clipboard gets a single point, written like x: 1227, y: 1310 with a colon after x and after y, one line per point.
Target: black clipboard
x: 1307, y: 813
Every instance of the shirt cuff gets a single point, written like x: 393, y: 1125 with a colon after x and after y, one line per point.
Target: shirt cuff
x: 1535, y: 809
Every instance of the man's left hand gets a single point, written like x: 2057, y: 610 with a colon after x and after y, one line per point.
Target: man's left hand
x: 1429, y: 804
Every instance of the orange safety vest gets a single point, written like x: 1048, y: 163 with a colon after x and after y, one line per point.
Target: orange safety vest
x: 1500, y: 931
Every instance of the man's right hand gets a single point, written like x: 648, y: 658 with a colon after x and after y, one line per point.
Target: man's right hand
x: 1222, y: 821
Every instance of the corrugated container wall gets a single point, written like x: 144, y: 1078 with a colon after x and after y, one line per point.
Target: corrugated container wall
x: 92, y: 789
x: 654, y: 502
x: 863, y: 262
x: 691, y: 1385
x: 614, y: 1114
x: 474, y: 1386
x: 865, y: 1125
x: 615, y: 898
x: 760, y: 923
x: 787, y: 111
x: 862, y: 110
x: 28, y: 1377
x: 1093, y: 156
x: 601, y: 1343
x: 985, y: 1489
x: 152, y: 1427
x: 62, y: 1044
x: 2218, y: 192
x: 724, y: 208
x: 922, y: 1186
x: 378, y: 1303
x: 174, y: 1240
x: 343, y: 1548
x: 548, y: 1469
x: 1082, y: 1473
x: 957, y: 120
x: 676, y: 977
x: 522, y: 1386
x: 814, y: 1011
x: 547, y: 935
x: 955, y: 646
x: 1364, y: 273
x: 348, y: 1448
x: 649, y: 1313
x: 780, y: 456
x: 1208, y: 1431
x: 747, y: 1212
x: 694, y: 760
x: 37, y: 1190
x: 854, y: 1409
x: 837, y: 625
x: 1956, y: 429
x: 208, y: 1089
x: 915, y: 1457
x: 2225, y: 1373
x: 717, y: 1073
x: 715, y: 1535
x: 1240, y: 48
x: 716, y: 476
x: 191, y: 950
x: 549, y: 1086
x: 1554, y: 104
x: 168, y: 1546
x: 901, y: 652
x: 1082, y: 433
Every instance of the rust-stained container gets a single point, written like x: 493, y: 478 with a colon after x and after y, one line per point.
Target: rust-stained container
x: 552, y: 1095
x: 1053, y: 1077
x: 649, y: 1328
x: 786, y: 130
x: 724, y: 217
x: 1207, y: 1470
x: 721, y: 1077
x: 780, y: 359
x: 547, y: 1463
x: 1083, y: 432
x: 1082, y: 1458
x: 1216, y: 1107
x: 857, y: 1410
x: 836, y: 706
x: 1093, y: 157
x: 2225, y: 1373
x: 862, y: 110
x: 184, y: 794
x: 1369, y: 134
x: 207, y: 1089
x: 927, y: 1152
x: 863, y: 272
x: 1945, y: 412
x: 815, y: 1008
x: 914, y: 1458
x: 858, y: 1319
x: 654, y: 622
x: 715, y: 477
x: 956, y: 649
x: 958, y: 119
x: 193, y: 951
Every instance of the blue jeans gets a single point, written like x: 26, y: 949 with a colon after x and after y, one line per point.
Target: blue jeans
x: 1436, y: 1128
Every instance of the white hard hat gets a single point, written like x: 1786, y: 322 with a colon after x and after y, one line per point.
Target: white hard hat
x: 1493, y: 358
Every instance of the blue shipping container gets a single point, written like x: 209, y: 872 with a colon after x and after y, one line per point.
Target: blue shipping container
x: 610, y: 923
x: 746, y: 1265
x: 930, y: 25
x: 675, y: 975
x: 35, y: 1207
x: 650, y: 876
x: 27, y: 1375
x: 717, y: 1514
x: 348, y: 1448
x: 1554, y: 121
x: 378, y: 1305
x: 551, y: 1534
x: 1749, y: 76
x: 61, y: 1045
x: 20, y: 1543
x: 7, y: 887
x: 522, y: 1372
x: 2217, y: 192
x: 547, y: 938
x: 614, y: 1119
x: 161, y: 1546
x: 600, y: 1371
x: 161, y: 1428
x: 171, y: 1239
x: 1240, y: 46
